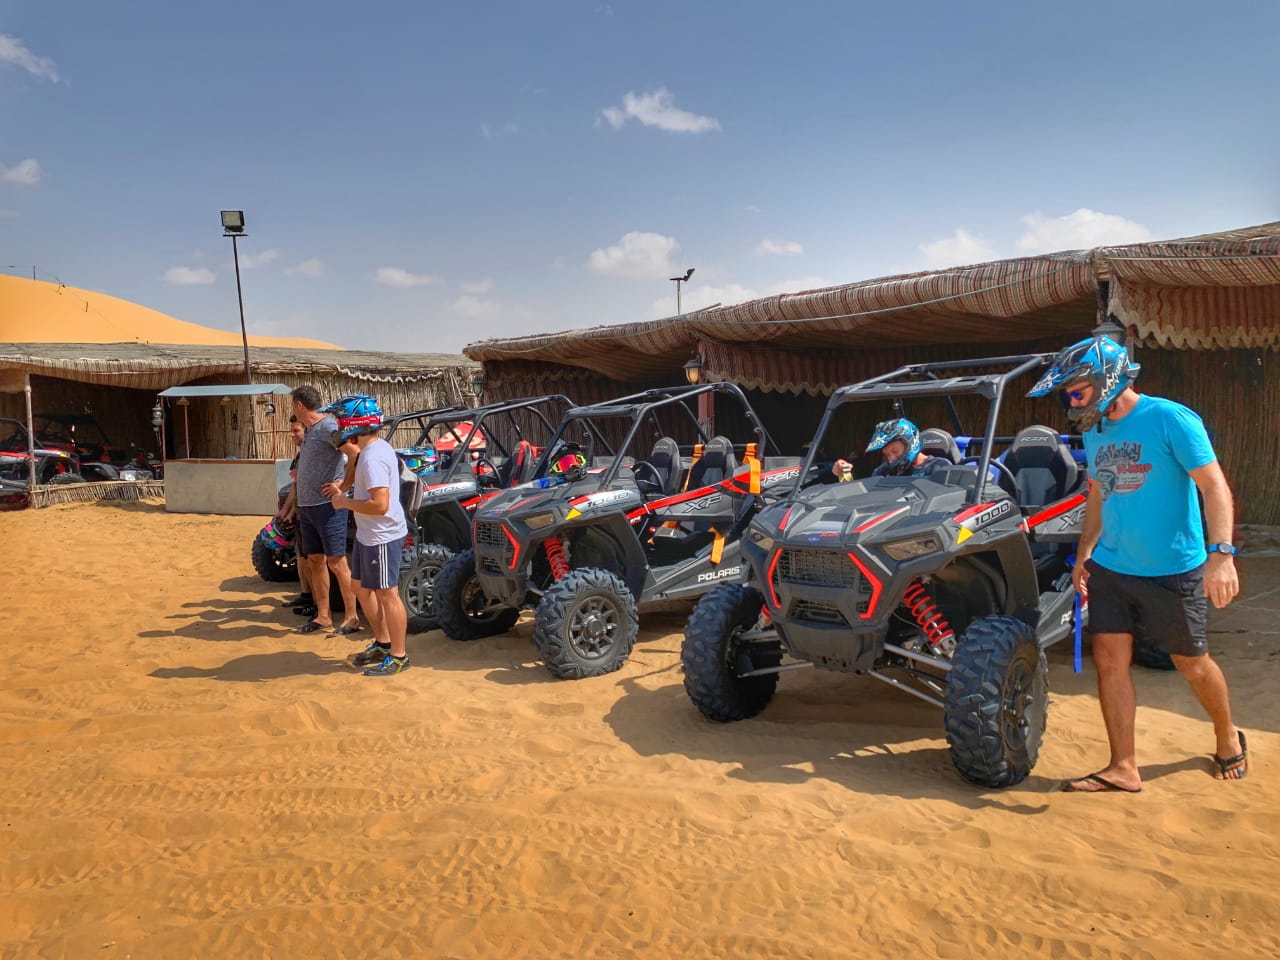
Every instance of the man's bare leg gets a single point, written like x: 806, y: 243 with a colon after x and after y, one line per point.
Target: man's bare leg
x: 319, y: 575
x: 1210, y: 687
x: 395, y: 619
x: 1112, y: 656
x: 342, y: 573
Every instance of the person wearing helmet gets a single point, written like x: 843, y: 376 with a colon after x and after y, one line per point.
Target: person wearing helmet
x: 898, y: 441
x: 304, y: 604
x: 322, y: 530
x: 380, y: 531
x: 1141, y: 559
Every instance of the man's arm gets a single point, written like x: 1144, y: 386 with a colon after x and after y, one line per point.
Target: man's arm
x: 378, y: 504
x: 1090, y: 531
x: 1221, y: 583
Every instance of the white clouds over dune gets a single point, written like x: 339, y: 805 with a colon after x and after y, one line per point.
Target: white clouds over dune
x: 657, y: 109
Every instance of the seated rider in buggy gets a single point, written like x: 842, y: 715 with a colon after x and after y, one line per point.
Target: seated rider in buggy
x: 898, y: 441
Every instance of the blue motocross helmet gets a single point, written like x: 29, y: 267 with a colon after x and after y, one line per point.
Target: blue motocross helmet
x: 421, y: 460
x: 900, y: 429
x: 1098, y: 361
x: 356, y: 415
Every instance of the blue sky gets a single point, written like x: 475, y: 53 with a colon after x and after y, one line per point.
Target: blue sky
x: 417, y: 176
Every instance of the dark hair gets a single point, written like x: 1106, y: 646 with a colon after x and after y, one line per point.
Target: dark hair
x: 307, y: 395
x: 293, y: 418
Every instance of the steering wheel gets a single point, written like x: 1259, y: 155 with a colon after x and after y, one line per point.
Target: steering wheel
x: 490, y: 476
x: 657, y: 477
x: 1002, y: 469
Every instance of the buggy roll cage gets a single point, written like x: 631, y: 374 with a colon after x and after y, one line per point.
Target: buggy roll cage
x: 477, y: 416
x: 928, y: 382
x: 641, y: 408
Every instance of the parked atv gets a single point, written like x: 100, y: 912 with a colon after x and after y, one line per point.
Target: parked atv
x: 54, y: 464
x: 473, y: 455
x: 82, y: 435
x: 947, y: 588
x: 590, y: 539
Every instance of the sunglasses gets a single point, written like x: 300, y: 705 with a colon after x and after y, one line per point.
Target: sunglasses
x: 1076, y: 395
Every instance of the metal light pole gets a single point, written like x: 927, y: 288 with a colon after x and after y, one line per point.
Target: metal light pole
x: 233, y: 227
x: 677, y: 281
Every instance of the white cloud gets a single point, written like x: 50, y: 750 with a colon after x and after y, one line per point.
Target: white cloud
x: 308, y: 268
x: 473, y: 307
x: 751, y: 208
x: 251, y: 260
x: 403, y: 279
x: 189, y: 276
x: 657, y: 109
x: 698, y: 297
x: 1079, y: 230
x: 961, y: 248
x: 481, y: 287
x: 27, y: 173
x: 637, y: 254
x: 780, y: 248
x: 493, y: 133
x: 14, y: 51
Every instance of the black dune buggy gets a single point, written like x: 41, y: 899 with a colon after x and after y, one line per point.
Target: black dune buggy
x: 278, y: 563
x: 584, y: 544
x: 946, y: 588
x: 481, y: 452
x: 54, y: 464
x: 100, y: 459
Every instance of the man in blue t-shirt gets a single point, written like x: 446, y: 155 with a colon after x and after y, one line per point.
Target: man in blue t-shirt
x: 1141, y: 559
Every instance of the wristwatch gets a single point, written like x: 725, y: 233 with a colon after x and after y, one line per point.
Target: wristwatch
x: 1225, y: 547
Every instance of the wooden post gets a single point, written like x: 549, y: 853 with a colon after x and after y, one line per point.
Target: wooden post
x: 31, y: 430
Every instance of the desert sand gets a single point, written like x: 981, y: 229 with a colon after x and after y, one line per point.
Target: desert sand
x: 185, y: 777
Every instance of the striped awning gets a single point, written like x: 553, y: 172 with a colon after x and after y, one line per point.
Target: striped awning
x: 1214, y: 291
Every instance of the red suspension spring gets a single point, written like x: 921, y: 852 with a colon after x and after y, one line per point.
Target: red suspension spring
x: 555, y: 556
x: 935, y: 627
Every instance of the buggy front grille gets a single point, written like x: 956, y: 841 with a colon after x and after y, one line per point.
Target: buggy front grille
x: 819, y: 568
x: 815, y: 611
x: 492, y: 542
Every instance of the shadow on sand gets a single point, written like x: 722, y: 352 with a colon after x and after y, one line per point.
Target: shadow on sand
x: 259, y: 668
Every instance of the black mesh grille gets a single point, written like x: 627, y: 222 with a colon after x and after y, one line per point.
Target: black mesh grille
x: 491, y: 565
x: 824, y: 568
x: 489, y: 534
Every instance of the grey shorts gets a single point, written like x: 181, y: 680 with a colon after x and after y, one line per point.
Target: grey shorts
x: 377, y: 567
x: 1170, y: 611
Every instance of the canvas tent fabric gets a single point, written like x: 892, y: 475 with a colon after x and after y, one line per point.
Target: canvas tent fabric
x: 1210, y: 292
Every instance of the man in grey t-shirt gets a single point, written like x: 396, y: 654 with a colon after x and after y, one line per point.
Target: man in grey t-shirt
x: 322, y: 530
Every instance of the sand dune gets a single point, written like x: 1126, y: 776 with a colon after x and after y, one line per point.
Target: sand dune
x: 184, y: 777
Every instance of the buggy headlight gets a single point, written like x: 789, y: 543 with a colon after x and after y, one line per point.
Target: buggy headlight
x: 540, y: 520
x: 915, y: 547
x: 760, y: 538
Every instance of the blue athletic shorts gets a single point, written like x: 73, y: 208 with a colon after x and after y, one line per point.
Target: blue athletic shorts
x: 322, y: 529
x: 377, y: 567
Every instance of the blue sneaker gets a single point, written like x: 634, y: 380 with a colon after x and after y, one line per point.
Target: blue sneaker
x: 388, y: 666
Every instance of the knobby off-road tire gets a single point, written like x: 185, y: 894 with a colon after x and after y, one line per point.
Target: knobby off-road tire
x: 714, y: 654
x: 274, y: 566
x: 417, y: 583
x: 60, y: 479
x: 460, y: 605
x: 586, y: 624
x: 997, y: 702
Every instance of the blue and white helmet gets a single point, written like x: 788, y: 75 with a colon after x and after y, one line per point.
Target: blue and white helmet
x: 1098, y: 361
x: 900, y: 429
x: 356, y: 415
x: 421, y: 460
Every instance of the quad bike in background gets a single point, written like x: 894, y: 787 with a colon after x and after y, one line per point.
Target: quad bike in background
x: 464, y: 458
x: 82, y: 435
x: 599, y: 533
x: 948, y: 588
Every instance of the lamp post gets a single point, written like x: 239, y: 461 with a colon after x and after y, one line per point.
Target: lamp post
x: 233, y: 227
x: 478, y: 383
x: 706, y: 401
x: 677, y: 281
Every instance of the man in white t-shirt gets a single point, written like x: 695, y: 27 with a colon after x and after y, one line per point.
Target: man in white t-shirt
x: 380, y: 533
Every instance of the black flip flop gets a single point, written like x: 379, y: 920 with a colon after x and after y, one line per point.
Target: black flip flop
x: 1105, y: 785
x: 1239, y: 762
x: 345, y: 631
x: 312, y: 627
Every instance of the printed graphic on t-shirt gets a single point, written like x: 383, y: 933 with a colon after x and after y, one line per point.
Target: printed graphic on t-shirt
x: 1118, y: 468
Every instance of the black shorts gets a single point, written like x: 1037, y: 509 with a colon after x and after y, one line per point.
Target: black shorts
x: 322, y: 530
x: 1169, y: 611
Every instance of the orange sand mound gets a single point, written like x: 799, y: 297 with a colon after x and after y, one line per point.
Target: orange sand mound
x: 32, y: 311
x: 185, y: 777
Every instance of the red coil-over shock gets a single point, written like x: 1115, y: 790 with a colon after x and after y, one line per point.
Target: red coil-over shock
x: 555, y: 556
x: 932, y: 623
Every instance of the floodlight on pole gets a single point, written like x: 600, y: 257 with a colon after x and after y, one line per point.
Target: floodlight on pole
x: 233, y: 227
x: 677, y: 281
